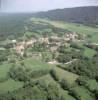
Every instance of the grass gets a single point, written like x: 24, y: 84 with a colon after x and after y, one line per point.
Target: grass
x: 46, y: 78
x: 95, y: 37
x: 4, y: 69
x: 89, y: 52
x: 63, y: 74
x: 10, y: 85
x: 36, y: 64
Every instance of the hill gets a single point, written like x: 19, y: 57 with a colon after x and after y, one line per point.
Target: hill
x: 14, y: 22
x: 86, y: 15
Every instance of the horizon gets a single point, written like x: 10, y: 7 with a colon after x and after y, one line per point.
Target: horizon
x: 45, y: 11
x: 16, y: 6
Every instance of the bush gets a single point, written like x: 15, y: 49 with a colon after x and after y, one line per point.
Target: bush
x: 38, y: 73
x: 88, y: 68
x: 75, y: 94
x: 96, y: 78
x: 82, y: 80
x: 19, y: 74
x: 65, y: 85
x: 54, y: 74
x: 96, y: 94
x: 53, y: 92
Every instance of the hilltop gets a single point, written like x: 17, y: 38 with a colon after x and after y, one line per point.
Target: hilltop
x: 87, y: 15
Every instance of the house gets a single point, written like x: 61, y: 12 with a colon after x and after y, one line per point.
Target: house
x: 30, y: 42
x: 44, y: 40
x: 20, y: 49
x: 55, y: 39
x: 70, y: 36
x: 53, y: 62
x: 14, y: 41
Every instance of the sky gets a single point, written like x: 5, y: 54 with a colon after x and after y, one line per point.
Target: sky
x: 42, y: 5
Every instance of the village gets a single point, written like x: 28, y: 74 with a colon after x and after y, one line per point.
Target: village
x: 52, y: 42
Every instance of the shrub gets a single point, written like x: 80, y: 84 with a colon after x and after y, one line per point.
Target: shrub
x: 38, y: 73
x: 54, y: 74
x: 82, y: 80
x: 75, y: 94
x: 65, y: 85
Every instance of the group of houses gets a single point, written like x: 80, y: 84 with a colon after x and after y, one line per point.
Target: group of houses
x: 52, y: 42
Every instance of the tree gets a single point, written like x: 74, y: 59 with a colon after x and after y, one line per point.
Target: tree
x: 54, y: 74
x: 82, y: 80
x: 53, y: 92
x: 62, y: 58
x: 75, y: 94
x: 65, y: 85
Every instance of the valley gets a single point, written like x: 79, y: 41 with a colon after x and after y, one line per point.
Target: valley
x: 49, y: 60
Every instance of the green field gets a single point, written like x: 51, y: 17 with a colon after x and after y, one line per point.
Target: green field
x: 4, y: 69
x: 36, y: 64
x: 89, y: 52
x: 63, y: 74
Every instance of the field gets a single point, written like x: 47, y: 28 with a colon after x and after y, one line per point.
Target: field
x: 63, y: 74
x: 36, y: 64
x: 89, y: 52
x: 4, y: 69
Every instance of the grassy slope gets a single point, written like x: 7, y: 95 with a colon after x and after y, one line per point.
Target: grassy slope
x: 36, y: 64
x: 63, y: 74
x: 89, y: 52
